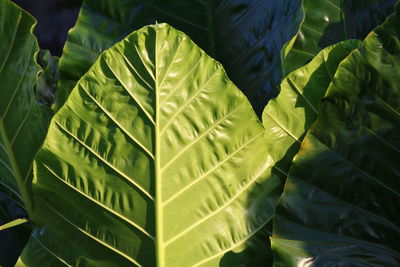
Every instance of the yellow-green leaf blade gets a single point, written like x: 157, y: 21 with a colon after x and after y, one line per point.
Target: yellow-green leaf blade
x: 155, y: 159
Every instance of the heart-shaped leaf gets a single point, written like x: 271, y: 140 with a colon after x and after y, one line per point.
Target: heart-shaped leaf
x: 156, y: 158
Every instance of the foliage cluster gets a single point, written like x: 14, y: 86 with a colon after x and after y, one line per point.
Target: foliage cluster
x: 203, y: 133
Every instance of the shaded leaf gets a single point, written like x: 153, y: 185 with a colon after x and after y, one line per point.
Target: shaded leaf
x: 286, y: 120
x: 288, y: 117
x: 48, y: 78
x: 328, y: 22
x: 246, y: 36
x: 23, y: 122
x: 340, y: 204
x: 12, y: 240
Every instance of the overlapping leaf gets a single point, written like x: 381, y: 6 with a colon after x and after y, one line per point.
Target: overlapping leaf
x: 151, y: 160
x: 246, y: 36
x: 23, y: 122
x: 288, y: 117
x: 340, y: 201
x: 327, y: 22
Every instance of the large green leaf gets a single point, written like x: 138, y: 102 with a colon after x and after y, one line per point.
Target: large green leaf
x: 23, y: 125
x: 288, y: 117
x: 340, y: 205
x: 151, y: 161
x: 23, y: 122
x: 246, y: 36
x: 327, y: 22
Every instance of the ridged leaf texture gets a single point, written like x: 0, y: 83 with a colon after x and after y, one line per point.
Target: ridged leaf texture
x: 288, y: 117
x: 156, y: 158
x: 340, y: 200
x: 246, y: 36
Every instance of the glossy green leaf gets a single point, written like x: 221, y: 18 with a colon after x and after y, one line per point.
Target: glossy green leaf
x: 327, y: 22
x: 23, y: 122
x: 340, y: 204
x: 288, y: 117
x: 246, y: 36
x: 155, y: 158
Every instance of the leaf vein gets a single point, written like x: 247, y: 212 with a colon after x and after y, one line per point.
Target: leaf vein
x: 123, y: 175
x: 143, y: 147
x: 132, y: 223
x: 215, y: 124
x: 130, y: 94
x: 199, y: 90
x: 98, y: 240
x: 242, y: 190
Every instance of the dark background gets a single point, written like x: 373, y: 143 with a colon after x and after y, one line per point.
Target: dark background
x: 55, y: 18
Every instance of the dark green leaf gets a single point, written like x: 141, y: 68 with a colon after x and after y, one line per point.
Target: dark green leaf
x: 23, y: 122
x: 288, y: 117
x: 340, y: 204
x: 286, y: 120
x: 246, y: 36
x: 327, y: 22
x: 48, y: 78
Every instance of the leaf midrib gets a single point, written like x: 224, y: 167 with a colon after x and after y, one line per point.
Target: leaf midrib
x: 160, y: 248
x: 6, y: 142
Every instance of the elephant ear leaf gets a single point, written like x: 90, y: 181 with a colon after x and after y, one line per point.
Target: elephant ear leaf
x: 151, y: 161
x: 23, y: 122
x: 286, y: 120
x: 23, y: 125
x: 246, y: 36
x: 327, y: 22
x: 288, y: 117
x: 340, y: 204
